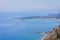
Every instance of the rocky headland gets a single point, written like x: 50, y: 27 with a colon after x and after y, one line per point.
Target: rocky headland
x: 53, y: 35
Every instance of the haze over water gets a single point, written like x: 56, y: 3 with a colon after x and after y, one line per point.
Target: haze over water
x: 15, y: 29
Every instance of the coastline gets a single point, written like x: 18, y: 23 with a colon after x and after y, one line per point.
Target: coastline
x: 43, y: 37
x: 52, y: 35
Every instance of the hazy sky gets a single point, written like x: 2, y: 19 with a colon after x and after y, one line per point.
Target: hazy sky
x: 29, y: 5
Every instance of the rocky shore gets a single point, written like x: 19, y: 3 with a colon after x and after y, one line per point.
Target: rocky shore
x: 52, y: 35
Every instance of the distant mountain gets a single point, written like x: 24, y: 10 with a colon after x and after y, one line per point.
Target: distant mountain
x: 57, y: 16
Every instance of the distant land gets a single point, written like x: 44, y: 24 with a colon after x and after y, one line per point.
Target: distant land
x: 49, y: 16
x: 57, y: 16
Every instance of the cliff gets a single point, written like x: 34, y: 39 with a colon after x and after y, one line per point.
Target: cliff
x: 53, y: 35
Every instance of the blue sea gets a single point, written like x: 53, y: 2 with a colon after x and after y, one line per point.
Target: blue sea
x: 15, y: 29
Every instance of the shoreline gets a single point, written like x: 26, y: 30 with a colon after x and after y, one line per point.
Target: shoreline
x: 43, y: 37
x: 52, y: 35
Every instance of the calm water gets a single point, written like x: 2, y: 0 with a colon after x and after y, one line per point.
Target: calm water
x: 14, y: 29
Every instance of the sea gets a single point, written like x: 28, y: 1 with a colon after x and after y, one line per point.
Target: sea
x: 17, y: 29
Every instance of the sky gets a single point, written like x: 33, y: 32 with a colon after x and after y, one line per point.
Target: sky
x: 29, y: 5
